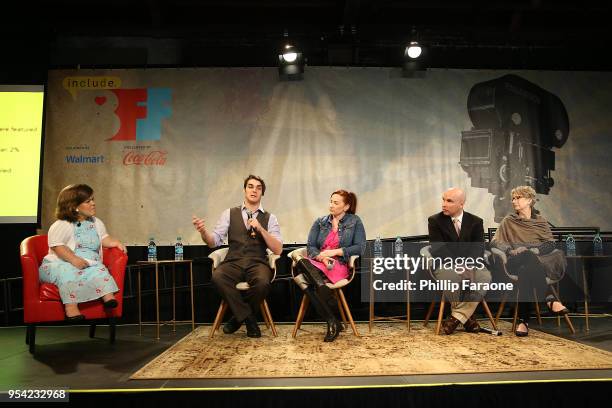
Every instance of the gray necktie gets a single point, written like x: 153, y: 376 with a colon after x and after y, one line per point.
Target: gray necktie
x: 457, y: 225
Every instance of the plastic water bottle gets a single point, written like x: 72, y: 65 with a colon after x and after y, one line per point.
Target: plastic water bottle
x: 178, y: 249
x: 378, y: 248
x: 570, y: 245
x: 152, y: 251
x: 398, y: 247
x: 597, y: 245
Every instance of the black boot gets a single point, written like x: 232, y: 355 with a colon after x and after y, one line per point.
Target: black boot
x: 315, y: 277
x: 334, y: 327
x: 333, y: 330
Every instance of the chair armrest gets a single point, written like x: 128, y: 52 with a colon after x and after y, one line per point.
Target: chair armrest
x: 115, y: 260
x: 426, y: 251
x: 499, y: 253
x: 272, y: 258
x: 352, y: 261
x: 296, y: 255
x: 218, y: 256
x: 31, y: 280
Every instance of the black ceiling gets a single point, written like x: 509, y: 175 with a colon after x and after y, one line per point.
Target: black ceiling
x: 524, y: 34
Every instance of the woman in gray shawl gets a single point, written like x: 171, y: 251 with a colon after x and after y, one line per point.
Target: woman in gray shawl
x: 526, y: 239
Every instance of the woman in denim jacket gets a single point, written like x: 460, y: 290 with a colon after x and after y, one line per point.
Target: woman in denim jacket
x: 332, y: 240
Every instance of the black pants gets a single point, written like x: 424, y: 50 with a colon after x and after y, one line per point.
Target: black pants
x: 320, y: 295
x: 254, y: 271
x: 531, y: 276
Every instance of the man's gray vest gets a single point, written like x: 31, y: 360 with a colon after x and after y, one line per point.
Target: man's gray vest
x: 241, y: 244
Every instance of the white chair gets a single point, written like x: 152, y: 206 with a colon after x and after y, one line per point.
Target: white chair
x: 499, y: 254
x: 217, y: 257
x: 426, y: 253
x: 345, y: 311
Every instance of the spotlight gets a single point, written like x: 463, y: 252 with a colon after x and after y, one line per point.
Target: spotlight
x: 414, y: 65
x: 413, y: 50
x: 290, y: 63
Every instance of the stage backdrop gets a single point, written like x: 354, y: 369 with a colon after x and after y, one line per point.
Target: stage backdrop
x: 159, y: 145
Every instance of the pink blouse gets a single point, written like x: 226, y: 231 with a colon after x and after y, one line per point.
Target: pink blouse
x: 339, y: 271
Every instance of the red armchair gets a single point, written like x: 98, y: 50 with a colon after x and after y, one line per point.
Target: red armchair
x: 41, y: 301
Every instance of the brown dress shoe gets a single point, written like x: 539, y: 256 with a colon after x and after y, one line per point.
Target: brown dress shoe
x: 450, y: 325
x: 471, y: 325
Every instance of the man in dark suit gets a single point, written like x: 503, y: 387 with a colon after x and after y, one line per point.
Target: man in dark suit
x: 459, y: 235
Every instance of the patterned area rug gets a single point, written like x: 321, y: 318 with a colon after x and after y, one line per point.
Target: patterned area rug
x: 388, y: 350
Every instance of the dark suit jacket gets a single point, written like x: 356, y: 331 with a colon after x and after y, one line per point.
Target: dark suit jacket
x: 446, y: 243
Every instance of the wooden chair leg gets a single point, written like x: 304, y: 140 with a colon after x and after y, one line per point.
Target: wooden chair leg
x: 112, y: 329
x: 32, y: 338
x: 348, y: 312
x: 92, y: 330
x: 440, y: 315
x: 569, y: 324
x: 515, y: 316
x: 558, y: 297
x: 500, y: 309
x: 566, y: 317
x: 269, y: 317
x: 537, y: 307
x: 300, y: 315
x: 264, y: 315
x: 341, y: 309
x: 485, y: 306
x: 429, y: 312
x: 218, y: 318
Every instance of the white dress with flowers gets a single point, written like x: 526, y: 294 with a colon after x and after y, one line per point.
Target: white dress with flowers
x: 80, y: 285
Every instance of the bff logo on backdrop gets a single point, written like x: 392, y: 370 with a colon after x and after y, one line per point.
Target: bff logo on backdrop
x: 140, y: 111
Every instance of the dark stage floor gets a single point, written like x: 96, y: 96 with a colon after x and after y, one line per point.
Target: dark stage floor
x: 67, y: 357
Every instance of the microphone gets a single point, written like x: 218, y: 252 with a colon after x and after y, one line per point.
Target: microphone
x: 251, y: 229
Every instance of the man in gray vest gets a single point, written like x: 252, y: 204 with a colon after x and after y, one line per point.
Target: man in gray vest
x: 249, y: 231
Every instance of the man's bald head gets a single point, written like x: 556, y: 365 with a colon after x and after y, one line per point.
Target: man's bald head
x: 453, y: 200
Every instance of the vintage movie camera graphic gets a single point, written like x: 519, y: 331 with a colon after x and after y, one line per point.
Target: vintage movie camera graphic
x: 516, y: 124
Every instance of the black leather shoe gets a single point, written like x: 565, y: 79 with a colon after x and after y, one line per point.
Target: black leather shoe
x: 252, y: 327
x: 76, y: 318
x: 231, y: 326
x: 450, y: 325
x: 110, y: 304
x: 471, y: 325
x: 333, y: 330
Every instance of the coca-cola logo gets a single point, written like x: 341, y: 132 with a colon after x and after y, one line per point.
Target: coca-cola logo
x: 152, y: 158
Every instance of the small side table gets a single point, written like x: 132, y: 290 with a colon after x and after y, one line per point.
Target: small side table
x: 372, y: 315
x: 584, y: 259
x: 156, y: 265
